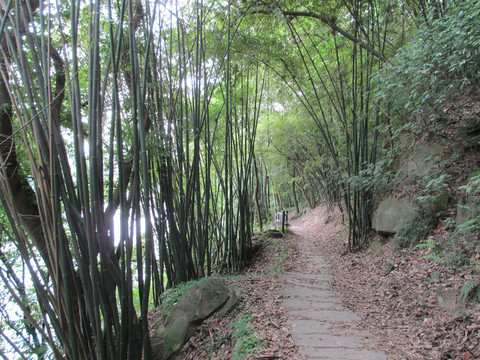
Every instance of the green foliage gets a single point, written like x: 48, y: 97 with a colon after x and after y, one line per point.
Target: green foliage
x: 449, y: 223
x: 198, y: 158
x: 451, y: 249
x: 472, y: 191
x: 245, y: 337
x: 436, y: 184
x: 433, y: 197
x: 432, y: 201
x: 411, y: 231
x: 443, y: 57
x: 463, y: 239
x: 434, y: 254
x: 470, y: 291
x: 429, y: 243
x: 375, y: 177
x: 458, y: 242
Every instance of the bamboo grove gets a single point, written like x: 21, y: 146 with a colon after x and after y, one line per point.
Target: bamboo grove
x: 135, y: 156
x: 329, y: 66
x: 128, y: 111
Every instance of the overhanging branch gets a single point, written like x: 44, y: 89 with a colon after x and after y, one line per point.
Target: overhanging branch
x: 331, y: 23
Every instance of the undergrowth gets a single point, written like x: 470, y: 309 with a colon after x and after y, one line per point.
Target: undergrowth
x: 442, y: 59
x: 246, y: 340
x: 455, y: 245
x: 470, y: 291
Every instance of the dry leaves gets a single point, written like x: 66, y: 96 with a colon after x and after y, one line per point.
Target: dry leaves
x: 259, y: 296
x: 395, y: 294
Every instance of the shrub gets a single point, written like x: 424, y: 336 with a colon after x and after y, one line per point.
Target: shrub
x: 442, y: 57
x: 411, y: 231
x: 472, y: 190
x: 470, y: 291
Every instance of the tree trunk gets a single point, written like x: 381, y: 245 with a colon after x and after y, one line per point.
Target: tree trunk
x: 257, y: 195
x: 294, y: 193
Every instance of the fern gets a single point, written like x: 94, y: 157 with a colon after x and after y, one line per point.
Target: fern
x: 470, y: 291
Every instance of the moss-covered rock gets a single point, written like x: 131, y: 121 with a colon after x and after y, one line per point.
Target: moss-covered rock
x: 194, y: 306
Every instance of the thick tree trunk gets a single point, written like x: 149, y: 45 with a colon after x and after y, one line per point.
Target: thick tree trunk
x: 23, y: 196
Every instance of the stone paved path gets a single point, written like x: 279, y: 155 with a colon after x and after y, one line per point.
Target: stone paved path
x: 322, y: 327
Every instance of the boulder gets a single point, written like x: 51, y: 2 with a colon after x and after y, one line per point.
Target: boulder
x: 421, y: 160
x: 194, y: 306
x: 156, y: 342
x: 390, y: 213
x: 449, y: 299
x: 229, y: 305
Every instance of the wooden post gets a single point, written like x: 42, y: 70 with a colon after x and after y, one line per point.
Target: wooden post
x: 283, y: 220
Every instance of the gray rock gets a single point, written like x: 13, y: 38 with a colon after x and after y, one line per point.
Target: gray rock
x: 156, y: 341
x: 231, y: 304
x: 421, y: 160
x: 390, y: 213
x: 195, y: 305
x: 449, y: 299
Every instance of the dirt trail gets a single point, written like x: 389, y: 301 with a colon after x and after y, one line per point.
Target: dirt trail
x: 322, y: 327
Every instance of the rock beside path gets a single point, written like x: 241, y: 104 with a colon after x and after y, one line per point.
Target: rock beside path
x: 391, y: 213
x: 195, y: 305
x: 421, y: 159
